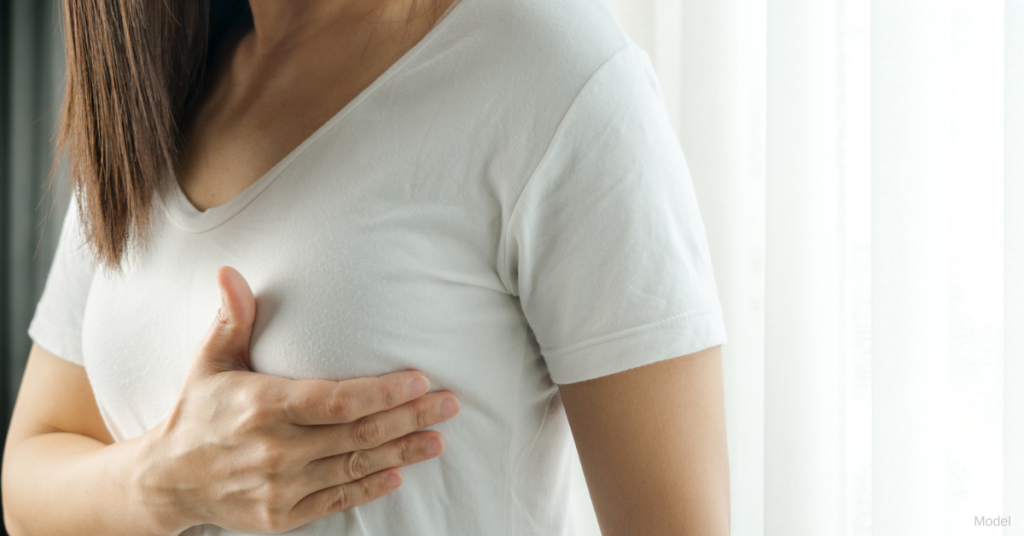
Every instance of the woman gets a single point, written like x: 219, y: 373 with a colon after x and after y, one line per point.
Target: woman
x: 484, y: 195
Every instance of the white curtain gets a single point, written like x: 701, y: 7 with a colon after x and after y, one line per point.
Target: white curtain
x: 860, y: 169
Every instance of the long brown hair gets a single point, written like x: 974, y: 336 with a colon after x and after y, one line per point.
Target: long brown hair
x: 133, y: 70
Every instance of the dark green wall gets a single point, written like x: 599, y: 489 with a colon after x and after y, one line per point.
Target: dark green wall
x: 31, y: 77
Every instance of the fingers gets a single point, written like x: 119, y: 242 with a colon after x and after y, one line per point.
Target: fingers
x: 226, y: 344
x: 345, y: 496
x: 351, y: 466
x: 376, y: 429
x: 314, y: 402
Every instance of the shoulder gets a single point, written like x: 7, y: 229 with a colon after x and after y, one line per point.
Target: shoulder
x: 542, y: 43
x: 561, y: 30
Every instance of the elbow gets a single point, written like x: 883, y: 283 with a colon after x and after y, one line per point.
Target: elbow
x: 12, y: 526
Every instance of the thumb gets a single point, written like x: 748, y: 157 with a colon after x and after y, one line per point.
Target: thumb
x: 226, y: 344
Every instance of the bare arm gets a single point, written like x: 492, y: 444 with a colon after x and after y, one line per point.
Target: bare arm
x: 652, y: 444
x: 58, y: 447
x: 245, y: 451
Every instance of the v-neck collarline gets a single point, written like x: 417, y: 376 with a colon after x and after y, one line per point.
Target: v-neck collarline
x: 187, y: 217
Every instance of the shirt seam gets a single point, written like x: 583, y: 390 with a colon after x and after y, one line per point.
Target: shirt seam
x: 682, y: 336
x: 600, y: 339
x: 502, y: 268
x: 328, y: 127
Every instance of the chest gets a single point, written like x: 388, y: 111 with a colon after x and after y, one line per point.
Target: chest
x: 352, y: 278
x: 354, y: 274
x: 233, y: 141
x: 261, y: 107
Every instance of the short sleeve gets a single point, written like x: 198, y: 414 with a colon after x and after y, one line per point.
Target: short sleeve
x: 605, y: 246
x: 57, y: 323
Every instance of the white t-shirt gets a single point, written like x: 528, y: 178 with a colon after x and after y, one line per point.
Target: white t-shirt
x: 506, y: 208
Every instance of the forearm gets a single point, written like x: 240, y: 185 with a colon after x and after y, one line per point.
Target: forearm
x: 63, y: 483
x: 248, y: 452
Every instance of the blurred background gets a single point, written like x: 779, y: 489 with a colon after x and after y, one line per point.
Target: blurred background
x: 31, y: 74
x: 860, y: 171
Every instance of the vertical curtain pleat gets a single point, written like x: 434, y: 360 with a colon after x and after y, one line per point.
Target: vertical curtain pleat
x: 853, y: 57
x: 910, y: 144
x: 893, y: 322
x: 1013, y: 305
x: 707, y: 117
x: 973, y: 422
x: 801, y: 323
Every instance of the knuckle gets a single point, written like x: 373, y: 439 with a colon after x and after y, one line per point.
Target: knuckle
x: 243, y: 395
x: 422, y: 417
x: 270, y: 498
x: 270, y: 458
x: 254, y: 411
x: 340, y: 405
x: 391, y: 396
x: 271, y: 519
x: 341, y: 499
x: 368, y: 432
x: 254, y: 419
x: 222, y: 321
x: 253, y: 392
x: 368, y: 486
x: 356, y: 465
x: 406, y: 454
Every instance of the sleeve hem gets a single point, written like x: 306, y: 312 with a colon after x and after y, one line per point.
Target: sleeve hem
x: 672, y: 337
x: 43, y: 333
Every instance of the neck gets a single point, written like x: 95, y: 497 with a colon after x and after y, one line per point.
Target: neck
x: 278, y: 22
x: 281, y: 23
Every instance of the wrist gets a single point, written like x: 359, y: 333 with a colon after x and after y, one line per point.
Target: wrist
x: 152, y: 492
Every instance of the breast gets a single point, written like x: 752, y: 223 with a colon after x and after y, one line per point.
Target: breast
x: 355, y: 297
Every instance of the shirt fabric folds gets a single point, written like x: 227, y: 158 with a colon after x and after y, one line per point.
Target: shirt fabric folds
x: 506, y: 209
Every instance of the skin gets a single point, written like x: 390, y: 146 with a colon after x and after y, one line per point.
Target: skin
x: 245, y: 451
x: 280, y: 83
x: 651, y: 439
x: 652, y: 444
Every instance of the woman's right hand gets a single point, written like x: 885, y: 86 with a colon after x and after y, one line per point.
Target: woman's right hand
x: 252, y: 452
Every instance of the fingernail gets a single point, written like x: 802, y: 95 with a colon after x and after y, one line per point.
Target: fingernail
x: 392, y: 481
x: 449, y: 407
x: 433, y: 447
x: 418, y: 386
